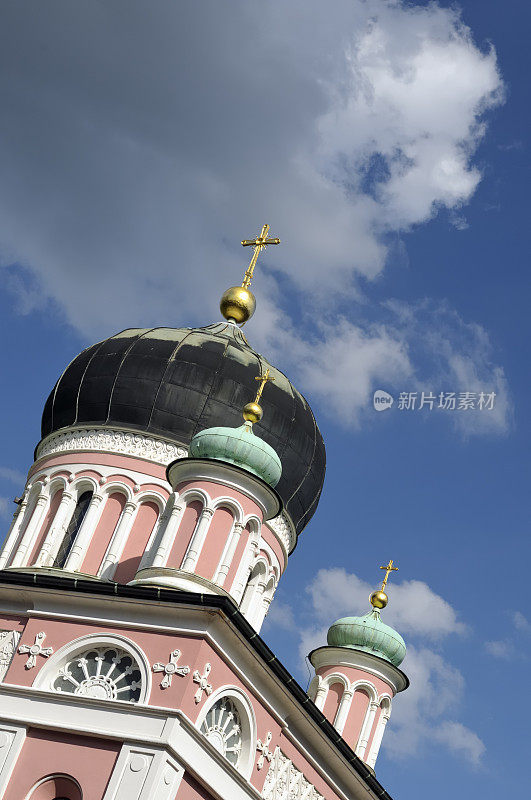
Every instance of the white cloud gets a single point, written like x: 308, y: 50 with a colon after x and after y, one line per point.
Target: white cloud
x: 12, y: 475
x: 520, y: 622
x: 499, y: 648
x: 415, y: 608
x: 4, y: 506
x: 280, y: 615
x: 461, y: 741
x: 127, y: 184
x: 420, y: 714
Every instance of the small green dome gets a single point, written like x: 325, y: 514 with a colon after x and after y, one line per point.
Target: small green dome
x: 370, y: 635
x: 241, y: 447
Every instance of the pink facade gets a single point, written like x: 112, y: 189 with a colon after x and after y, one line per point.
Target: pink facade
x: 45, y: 754
x: 184, y: 534
x: 218, y: 533
x: 143, y: 525
x: 103, y: 533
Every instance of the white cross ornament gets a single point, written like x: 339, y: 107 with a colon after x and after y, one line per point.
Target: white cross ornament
x: 170, y: 669
x: 265, y: 752
x: 35, y: 649
x: 204, y: 685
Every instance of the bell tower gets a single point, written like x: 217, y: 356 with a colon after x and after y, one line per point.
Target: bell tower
x: 357, y: 675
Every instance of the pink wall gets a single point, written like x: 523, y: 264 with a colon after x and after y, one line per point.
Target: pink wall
x: 191, y: 789
x: 136, y: 543
x: 46, y: 525
x: 107, y: 459
x: 332, y: 701
x: 216, y: 539
x: 90, y: 761
x: 184, y: 534
x: 102, y: 535
x: 358, y: 709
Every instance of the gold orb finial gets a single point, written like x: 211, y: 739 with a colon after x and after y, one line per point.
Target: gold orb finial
x: 253, y: 412
x: 379, y: 599
x: 238, y: 303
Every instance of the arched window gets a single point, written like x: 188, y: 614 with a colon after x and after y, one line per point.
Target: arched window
x: 228, y: 722
x: 222, y: 727
x: 72, y: 530
x: 103, y: 667
x: 104, y: 673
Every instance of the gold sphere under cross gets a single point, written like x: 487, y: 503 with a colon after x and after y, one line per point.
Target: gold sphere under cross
x: 238, y: 303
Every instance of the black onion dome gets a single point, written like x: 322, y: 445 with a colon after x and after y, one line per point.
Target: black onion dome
x: 174, y: 382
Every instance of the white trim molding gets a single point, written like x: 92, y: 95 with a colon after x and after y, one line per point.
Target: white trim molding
x: 125, y: 443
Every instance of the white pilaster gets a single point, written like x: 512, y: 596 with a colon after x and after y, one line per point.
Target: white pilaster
x: 118, y: 541
x: 378, y: 736
x: 143, y: 773
x: 320, y: 696
x: 228, y: 553
x: 33, y: 527
x: 242, y: 576
x: 57, y: 529
x: 366, y: 729
x: 342, y: 712
x: 85, y: 533
x: 198, y: 539
x: 14, y: 530
x: 11, y: 741
x: 168, y: 537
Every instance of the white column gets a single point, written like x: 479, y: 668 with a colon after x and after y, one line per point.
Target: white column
x: 118, y: 541
x: 244, y: 572
x: 168, y: 537
x: 320, y: 696
x: 84, y: 535
x: 253, y: 611
x: 378, y: 736
x: 198, y: 539
x: 342, y: 712
x: 366, y: 729
x: 32, y: 529
x: 14, y: 530
x: 228, y: 554
x: 57, y: 529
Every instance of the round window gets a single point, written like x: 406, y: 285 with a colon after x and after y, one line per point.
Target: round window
x: 104, y: 673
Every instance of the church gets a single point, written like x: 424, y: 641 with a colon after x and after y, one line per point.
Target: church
x: 176, y: 471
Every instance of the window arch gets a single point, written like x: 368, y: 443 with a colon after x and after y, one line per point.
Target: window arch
x: 72, y: 530
x: 108, y: 667
x: 57, y: 787
x: 227, y: 721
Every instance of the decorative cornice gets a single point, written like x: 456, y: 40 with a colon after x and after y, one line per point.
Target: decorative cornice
x: 284, y: 531
x: 123, y: 442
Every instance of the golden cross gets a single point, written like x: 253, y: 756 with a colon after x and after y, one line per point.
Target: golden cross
x: 389, y: 568
x: 263, y: 380
x: 260, y: 243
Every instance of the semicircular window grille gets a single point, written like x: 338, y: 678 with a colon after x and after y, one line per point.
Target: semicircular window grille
x: 223, y: 729
x: 104, y: 673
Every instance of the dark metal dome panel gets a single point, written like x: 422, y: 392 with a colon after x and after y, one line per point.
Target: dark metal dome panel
x: 173, y: 382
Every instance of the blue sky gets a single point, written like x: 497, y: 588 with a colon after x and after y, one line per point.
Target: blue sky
x: 139, y: 145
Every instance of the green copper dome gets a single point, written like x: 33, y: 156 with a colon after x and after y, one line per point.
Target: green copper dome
x: 370, y: 635
x: 241, y: 447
